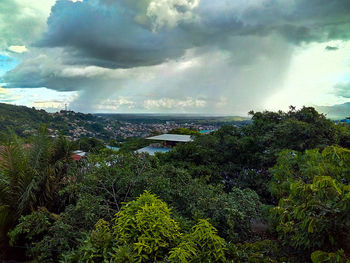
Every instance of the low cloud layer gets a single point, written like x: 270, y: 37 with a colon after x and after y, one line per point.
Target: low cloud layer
x: 343, y: 90
x: 171, y: 55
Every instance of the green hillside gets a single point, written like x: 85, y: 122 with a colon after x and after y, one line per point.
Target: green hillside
x: 21, y: 118
x: 25, y: 121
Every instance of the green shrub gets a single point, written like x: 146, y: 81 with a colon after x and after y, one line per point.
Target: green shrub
x: 266, y: 251
x: 144, y: 231
x: 96, y: 247
x: 314, y: 216
x: 292, y: 166
x: 146, y: 223
x: 201, y: 245
x: 333, y: 257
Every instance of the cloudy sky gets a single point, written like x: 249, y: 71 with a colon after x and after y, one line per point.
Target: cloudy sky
x: 175, y: 56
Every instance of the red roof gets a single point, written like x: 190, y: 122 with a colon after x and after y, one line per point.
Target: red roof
x: 76, y: 157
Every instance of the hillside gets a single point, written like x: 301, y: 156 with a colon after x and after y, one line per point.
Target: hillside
x: 25, y: 121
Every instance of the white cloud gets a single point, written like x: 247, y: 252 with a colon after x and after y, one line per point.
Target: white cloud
x: 171, y: 12
x: 54, y: 104
x: 83, y: 71
x: 177, y: 105
x: 17, y: 49
x: 8, y: 96
x: 115, y: 104
x: 3, y: 91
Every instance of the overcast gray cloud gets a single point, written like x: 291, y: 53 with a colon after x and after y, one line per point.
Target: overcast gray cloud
x: 173, y: 55
x: 110, y: 36
x: 22, y: 21
x: 122, y: 33
x: 343, y: 89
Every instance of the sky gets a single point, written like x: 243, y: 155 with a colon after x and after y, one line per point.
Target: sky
x: 222, y: 57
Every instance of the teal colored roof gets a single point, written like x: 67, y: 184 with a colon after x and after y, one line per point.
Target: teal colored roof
x: 152, y: 150
x: 113, y: 148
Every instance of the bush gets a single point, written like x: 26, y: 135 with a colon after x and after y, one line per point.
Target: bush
x: 333, y: 257
x: 201, y: 245
x: 144, y: 231
x: 314, y: 216
x: 147, y: 224
x: 292, y: 166
x: 266, y: 251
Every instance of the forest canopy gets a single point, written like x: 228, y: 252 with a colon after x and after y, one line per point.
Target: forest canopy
x: 276, y: 190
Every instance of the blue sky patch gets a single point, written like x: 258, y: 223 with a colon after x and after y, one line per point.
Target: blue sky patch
x: 7, y: 63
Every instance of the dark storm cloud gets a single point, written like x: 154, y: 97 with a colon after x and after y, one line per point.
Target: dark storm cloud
x: 301, y: 21
x: 45, y: 70
x: 109, y: 34
x: 240, y: 51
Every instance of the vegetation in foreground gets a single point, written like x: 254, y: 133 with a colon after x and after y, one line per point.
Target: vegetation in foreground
x: 273, y: 191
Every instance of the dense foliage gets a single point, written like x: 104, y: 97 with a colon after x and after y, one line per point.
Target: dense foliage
x: 315, y: 215
x: 276, y: 190
x: 144, y: 231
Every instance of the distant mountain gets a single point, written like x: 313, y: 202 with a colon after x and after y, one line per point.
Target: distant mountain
x: 338, y: 111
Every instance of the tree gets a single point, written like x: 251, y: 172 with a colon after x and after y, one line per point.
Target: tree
x: 296, y: 130
x: 314, y: 215
x: 185, y: 131
x: 202, y: 244
x: 13, y: 182
x: 266, y: 251
x: 90, y: 144
x: 293, y: 166
x: 30, y: 176
x: 144, y: 231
